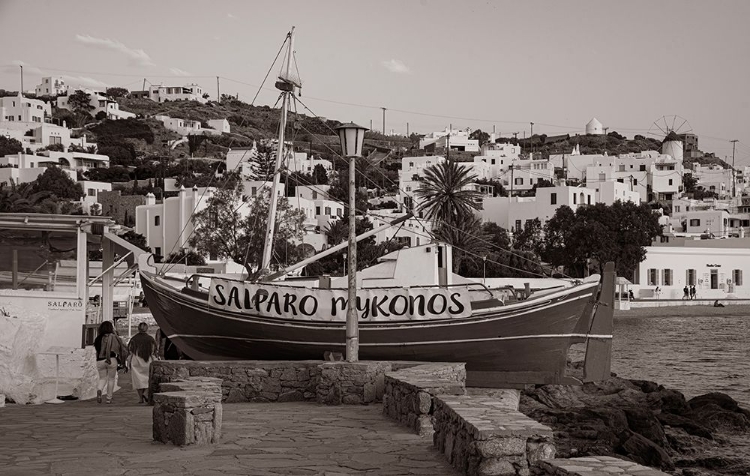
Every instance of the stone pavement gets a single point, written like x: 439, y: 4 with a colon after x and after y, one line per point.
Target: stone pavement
x: 86, y: 438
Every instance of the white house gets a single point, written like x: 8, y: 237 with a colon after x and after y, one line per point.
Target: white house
x: 715, y: 267
x: 714, y: 178
x: 80, y: 161
x: 91, y: 190
x: 100, y: 103
x: 21, y: 109
x: 24, y: 168
x: 456, y: 139
x: 188, y: 92
x: 181, y: 126
x: 514, y: 212
x: 301, y: 162
x: 220, y: 125
x: 51, y: 87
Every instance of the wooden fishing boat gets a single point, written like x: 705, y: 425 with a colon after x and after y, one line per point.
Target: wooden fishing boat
x: 411, y: 306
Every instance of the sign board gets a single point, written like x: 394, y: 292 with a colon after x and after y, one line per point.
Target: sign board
x: 378, y: 304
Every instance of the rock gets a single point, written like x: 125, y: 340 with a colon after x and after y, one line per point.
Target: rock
x: 643, y: 421
x: 686, y: 424
x: 644, y: 451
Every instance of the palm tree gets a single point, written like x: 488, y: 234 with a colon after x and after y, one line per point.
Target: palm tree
x: 23, y: 199
x: 445, y: 193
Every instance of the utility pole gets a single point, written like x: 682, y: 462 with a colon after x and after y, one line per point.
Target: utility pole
x: 370, y: 124
x: 21, y: 66
x: 448, y: 143
x: 383, y: 119
x: 218, y: 96
x: 515, y: 136
x: 407, y: 129
x: 531, y: 137
x: 734, y: 179
x: 511, y: 178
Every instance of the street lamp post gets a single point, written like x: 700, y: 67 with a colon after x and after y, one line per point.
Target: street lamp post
x: 352, y: 138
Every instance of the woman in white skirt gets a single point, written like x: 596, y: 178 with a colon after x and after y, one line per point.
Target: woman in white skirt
x: 142, y: 349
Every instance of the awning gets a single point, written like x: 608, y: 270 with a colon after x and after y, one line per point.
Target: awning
x: 620, y: 281
x: 122, y: 247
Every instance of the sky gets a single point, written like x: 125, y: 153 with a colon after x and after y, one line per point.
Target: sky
x: 430, y: 63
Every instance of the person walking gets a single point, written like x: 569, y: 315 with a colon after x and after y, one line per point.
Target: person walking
x: 692, y: 292
x: 109, y: 348
x: 142, y: 348
x: 686, y: 293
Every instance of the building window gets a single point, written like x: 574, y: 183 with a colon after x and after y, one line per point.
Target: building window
x: 328, y: 211
x: 695, y: 222
x: 588, y: 199
x: 340, y: 212
x: 157, y: 251
x: 653, y: 277
x: 666, y: 277
x: 737, y: 277
x: 553, y: 198
x: 575, y: 199
x: 519, y: 181
x: 518, y: 226
x: 157, y: 222
x: 670, y: 181
x: 91, y: 192
x: 690, y: 278
x: 642, y: 168
x: 317, y: 211
x: 315, y: 195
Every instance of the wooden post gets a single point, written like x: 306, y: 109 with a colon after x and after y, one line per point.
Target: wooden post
x: 352, y: 325
x: 15, y: 269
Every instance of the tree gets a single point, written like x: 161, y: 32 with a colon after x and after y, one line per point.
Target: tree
x: 262, y: 162
x: 445, y: 194
x: 618, y: 232
x: 320, y: 176
x: 187, y: 257
x: 23, y: 199
x: 467, y: 237
x: 136, y: 239
x: 529, y: 238
x: 9, y: 146
x: 80, y: 104
x: 57, y: 182
x: 117, y: 92
x: 221, y: 231
x: 480, y: 135
x: 689, y: 182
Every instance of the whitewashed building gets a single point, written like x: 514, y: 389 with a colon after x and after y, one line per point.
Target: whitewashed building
x: 716, y: 267
x: 51, y: 87
x: 22, y: 109
x: 456, y: 139
x: 188, y: 92
x: 100, y: 103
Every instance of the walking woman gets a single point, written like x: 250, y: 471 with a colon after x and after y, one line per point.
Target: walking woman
x: 109, y: 348
x: 142, y: 349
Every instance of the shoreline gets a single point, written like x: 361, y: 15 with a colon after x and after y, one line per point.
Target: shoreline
x: 735, y: 310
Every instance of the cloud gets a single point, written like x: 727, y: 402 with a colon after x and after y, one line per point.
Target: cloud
x: 27, y: 68
x: 84, y: 81
x: 180, y: 72
x: 396, y: 66
x: 137, y: 57
x: 232, y: 16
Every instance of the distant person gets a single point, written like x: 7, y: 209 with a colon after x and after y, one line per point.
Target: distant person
x: 109, y: 348
x: 692, y: 292
x: 718, y: 304
x: 142, y: 349
x: 685, y: 293
x: 631, y: 295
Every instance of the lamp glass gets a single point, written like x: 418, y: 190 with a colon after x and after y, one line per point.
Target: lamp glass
x: 352, y: 139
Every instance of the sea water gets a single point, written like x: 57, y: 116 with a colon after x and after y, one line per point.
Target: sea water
x: 695, y: 354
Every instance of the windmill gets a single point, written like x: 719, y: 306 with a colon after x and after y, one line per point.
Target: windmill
x: 670, y: 131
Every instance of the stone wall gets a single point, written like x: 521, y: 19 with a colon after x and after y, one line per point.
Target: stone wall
x: 409, y: 393
x: 332, y: 383
x: 592, y: 465
x: 481, y: 436
x: 117, y: 206
x: 188, y: 412
x: 245, y: 381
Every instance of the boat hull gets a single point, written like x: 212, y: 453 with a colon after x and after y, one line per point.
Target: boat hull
x: 521, y: 344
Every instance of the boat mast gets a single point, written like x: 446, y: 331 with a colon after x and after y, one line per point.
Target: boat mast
x: 286, y: 85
